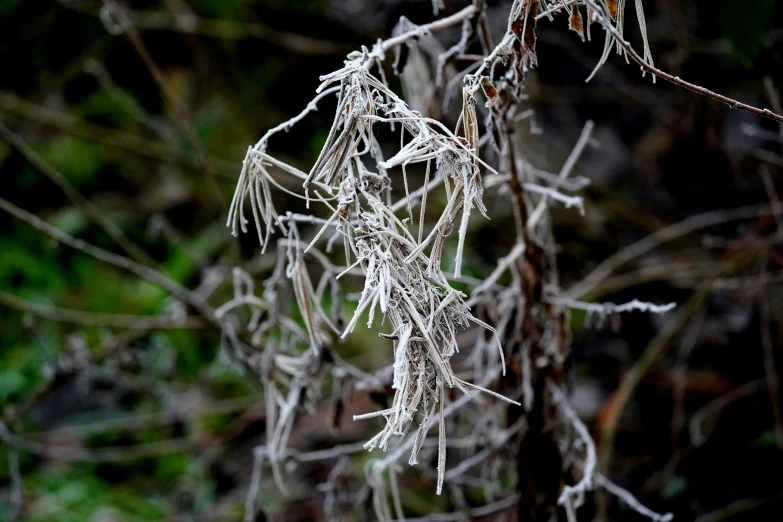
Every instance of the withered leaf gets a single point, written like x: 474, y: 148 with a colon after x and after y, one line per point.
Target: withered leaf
x: 575, y: 23
x: 489, y: 91
x: 517, y: 26
x: 612, y: 6
x: 525, y: 28
x: 469, y: 120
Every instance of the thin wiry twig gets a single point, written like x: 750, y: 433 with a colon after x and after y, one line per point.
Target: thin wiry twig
x: 134, y: 322
x: 573, y: 496
x: 286, y: 125
x: 648, y: 67
x: 630, y: 500
x: 145, y: 272
x: 107, y: 454
x: 663, y: 235
x: 568, y: 166
x: 84, y: 204
x: 437, y: 25
x: 130, y: 104
x: 115, y: 138
x: 190, y: 24
x: 612, y: 308
x: 254, y: 487
x: 696, y: 423
x: 177, y: 413
x: 116, y: 20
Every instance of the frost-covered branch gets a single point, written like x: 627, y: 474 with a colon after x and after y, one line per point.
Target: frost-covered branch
x: 612, y: 308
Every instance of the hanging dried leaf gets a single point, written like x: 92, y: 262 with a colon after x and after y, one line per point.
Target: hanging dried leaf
x: 525, y: 28
x: 612, y: 6
x: 469, y: 119
x: 575, y: 23
x: 530, y: 27
x: 517, y: 26
x: 489, y: 91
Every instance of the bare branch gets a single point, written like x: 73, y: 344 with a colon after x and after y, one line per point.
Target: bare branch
x: 85, y: 205
x: 145, y: 272
x: 648, y: 67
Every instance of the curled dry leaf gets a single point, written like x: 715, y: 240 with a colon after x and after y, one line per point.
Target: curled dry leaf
x: 611, y: 5
x: 575, y: 23
x: 489, y: 91
x: 525, y: 28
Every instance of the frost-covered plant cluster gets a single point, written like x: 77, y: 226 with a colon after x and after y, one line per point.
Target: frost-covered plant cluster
x: 377, y: 209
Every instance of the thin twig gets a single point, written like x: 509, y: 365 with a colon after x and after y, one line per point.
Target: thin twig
x: 657, y: 238
x: 568, y: 166
x: 437, y: 25
x: 647, y: 67
x: 143, y: 271
x: 84, y: 204
x: 720, y: 403
x: 188, y: 23
x: 117, y: 138
x: 183, y: 118
x: 84, y: 318
x: 630, y: 500
x: 574, y: 495
x: 658, y: 346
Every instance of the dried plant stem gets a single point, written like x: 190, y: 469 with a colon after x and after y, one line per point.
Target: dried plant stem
x: 613, y: 308
x: 255, y: 486
x: 116, y: 138
x: 568, y: 166
x: 188, y: 23
x: 442, y: 23
x: 135, y: 422
x: 404, y: 283
x: 286, y: 125
x: 647, y: 67
x: 143, y: 271
x: 108, y: 454
x: 719, y: 403
x: 574, y: 495
x: 658, y: 346
x: 659, y: 237
x: 85, y: 205
x: 125, y: 26
x: 630, y: 500
x: 133, y: 322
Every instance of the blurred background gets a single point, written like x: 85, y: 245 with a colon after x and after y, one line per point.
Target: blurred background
x: 133, y: 141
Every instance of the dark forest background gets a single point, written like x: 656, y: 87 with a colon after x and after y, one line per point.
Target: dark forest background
x: 132, y: 424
